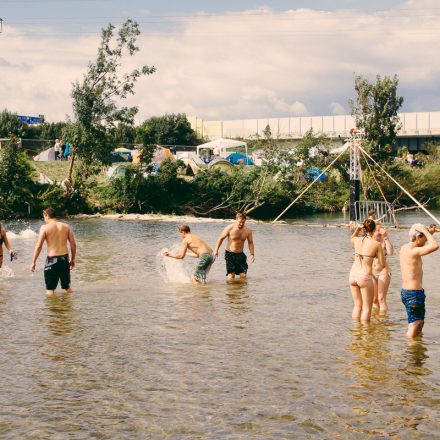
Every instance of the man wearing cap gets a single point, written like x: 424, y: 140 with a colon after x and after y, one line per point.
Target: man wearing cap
x: 413, y: 295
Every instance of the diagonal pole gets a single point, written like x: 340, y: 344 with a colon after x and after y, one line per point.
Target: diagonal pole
x: 396, y: 224
x: 311, y: 184
x: 401, y: 187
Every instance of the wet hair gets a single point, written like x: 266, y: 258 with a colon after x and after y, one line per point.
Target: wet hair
x: 417, y: 235
x: 50, y: 212
x: 372, y: 212
x: 184, y: 228
x: 240, y: 215
x: 369, y: 226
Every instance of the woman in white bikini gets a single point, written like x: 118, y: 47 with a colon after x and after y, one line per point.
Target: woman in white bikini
x: 382, y: 273
x: 361, y: 275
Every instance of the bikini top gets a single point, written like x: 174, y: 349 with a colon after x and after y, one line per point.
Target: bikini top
x: 362, y: 256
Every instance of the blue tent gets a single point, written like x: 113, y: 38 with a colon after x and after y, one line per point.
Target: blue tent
x: 239, y: 159
x: 313, y: 173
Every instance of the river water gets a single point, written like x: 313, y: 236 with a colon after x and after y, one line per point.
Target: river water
x: 138, y: 352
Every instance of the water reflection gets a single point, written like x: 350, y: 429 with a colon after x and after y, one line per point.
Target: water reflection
x: 61, y: 316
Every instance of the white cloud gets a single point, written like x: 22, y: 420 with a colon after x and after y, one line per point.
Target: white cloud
x: 255, y: 64
x: 337, y: 109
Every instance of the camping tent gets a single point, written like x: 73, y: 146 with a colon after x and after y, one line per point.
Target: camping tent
x: 45, y: 155
x: 220, y: 146
x: 239, y: 159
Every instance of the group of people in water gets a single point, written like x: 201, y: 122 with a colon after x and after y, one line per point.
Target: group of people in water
x: 369, y: 279
x: 370, y: 274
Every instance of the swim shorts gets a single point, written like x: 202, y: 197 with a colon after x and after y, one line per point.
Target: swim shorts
x: 57, y: 269
x: 202, y: 268
x: 414, y: 302
x: 236, y: 262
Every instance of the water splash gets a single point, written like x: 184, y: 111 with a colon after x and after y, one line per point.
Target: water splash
x: 172, y: 270
x: 6, y: 272
x: 23, y: 235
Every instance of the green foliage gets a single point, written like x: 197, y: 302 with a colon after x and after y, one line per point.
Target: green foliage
x: 375, y: 111
x: 95, y: 105
x: 10, y: 125
x: 16, y: 181
x: 172, y: 129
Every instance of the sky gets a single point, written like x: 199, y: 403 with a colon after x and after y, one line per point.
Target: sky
x: 224, y: 59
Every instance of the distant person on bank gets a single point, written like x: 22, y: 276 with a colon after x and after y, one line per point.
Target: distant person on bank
x: 237, y: 234
x: 413, y: 295
x: 56, y: 234
x: 199, y: 250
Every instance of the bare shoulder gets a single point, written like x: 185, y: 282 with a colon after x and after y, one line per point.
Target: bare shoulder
x: 248, y: 231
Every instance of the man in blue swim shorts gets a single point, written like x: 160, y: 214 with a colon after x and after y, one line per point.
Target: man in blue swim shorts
x: 413, y: 296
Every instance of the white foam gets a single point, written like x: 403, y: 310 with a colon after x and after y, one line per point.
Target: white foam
x: 172, y: 270
x: 6, y: 272
x: 23, y: 235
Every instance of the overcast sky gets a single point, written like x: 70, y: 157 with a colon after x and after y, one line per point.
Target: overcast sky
x: 224, y: 59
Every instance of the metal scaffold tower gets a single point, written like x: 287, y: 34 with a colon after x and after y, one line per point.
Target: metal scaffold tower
x: 355, y: 174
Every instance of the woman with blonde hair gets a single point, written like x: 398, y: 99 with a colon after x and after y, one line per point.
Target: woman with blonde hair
x: 361, y: 275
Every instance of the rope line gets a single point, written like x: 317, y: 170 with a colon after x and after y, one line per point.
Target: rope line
x: 401, y: 187
x: 311, y: 184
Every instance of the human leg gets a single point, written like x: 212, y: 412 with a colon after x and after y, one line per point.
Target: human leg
x: 367, y: 293
x: 383, y: 286
x: 414, y: 302
x: 357, y: 300
x: 376, y: 292
x: 415, y: 328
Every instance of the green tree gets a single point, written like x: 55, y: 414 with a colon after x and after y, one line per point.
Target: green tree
x: 16, y: 180
x: 96, y: 99
x: 10, y: 125
x: 172, y: 129
x: 375, y: 111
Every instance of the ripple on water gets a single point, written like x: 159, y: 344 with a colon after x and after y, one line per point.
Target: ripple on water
x: 132, y: 356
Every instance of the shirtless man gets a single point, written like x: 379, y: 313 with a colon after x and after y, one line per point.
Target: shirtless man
x: 56, y: 235
x: 199, y: 250
x: 413, y: 296
x: 237, y: 234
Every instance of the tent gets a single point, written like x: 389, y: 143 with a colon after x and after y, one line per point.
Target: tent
x: 162, y: 154
x: 46, y: 155
x: 222, y: 165
x: 220, y: 146
x: 115, y: 171
x: 239, y: 159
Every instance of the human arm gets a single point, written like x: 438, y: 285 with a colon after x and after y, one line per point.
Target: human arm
x: 38, y: 247
x: 388, y: 245
x: 250, y: 239
x: 380, y: 255
x: 72, y: 242
x: 355, y: 234
x: 431, y: 244
x: 5, y: 240
x: 181, y: 254
x: 223, y: 235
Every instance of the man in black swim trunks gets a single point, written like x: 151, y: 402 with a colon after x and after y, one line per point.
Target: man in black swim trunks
x: 58, y: 265
x: 237, y: 234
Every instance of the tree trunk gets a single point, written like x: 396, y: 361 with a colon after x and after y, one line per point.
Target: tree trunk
x: 69, y: 176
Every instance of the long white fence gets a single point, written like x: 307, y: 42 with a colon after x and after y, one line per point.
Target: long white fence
x: 413, y: 124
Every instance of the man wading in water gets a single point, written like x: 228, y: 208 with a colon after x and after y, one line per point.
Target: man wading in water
x: 200, y: 250
x: 56, y: 235
x: 237, y: 234
x: 413, y: 296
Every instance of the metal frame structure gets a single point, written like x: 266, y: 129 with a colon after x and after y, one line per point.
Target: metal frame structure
x: 1, y: 25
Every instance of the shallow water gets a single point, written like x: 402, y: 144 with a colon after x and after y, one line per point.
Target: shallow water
x: 133, y: 355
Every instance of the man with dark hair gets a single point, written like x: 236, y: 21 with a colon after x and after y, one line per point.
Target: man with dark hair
x: 237, y: 234
x: 56, y: 234
x: 199, y: 250
x: 413, y: 295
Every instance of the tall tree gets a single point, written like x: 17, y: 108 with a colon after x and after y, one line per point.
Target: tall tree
x: 171, y: 129
x: 375, y: 110
x: 96, y: 99
x: 10, y: 125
